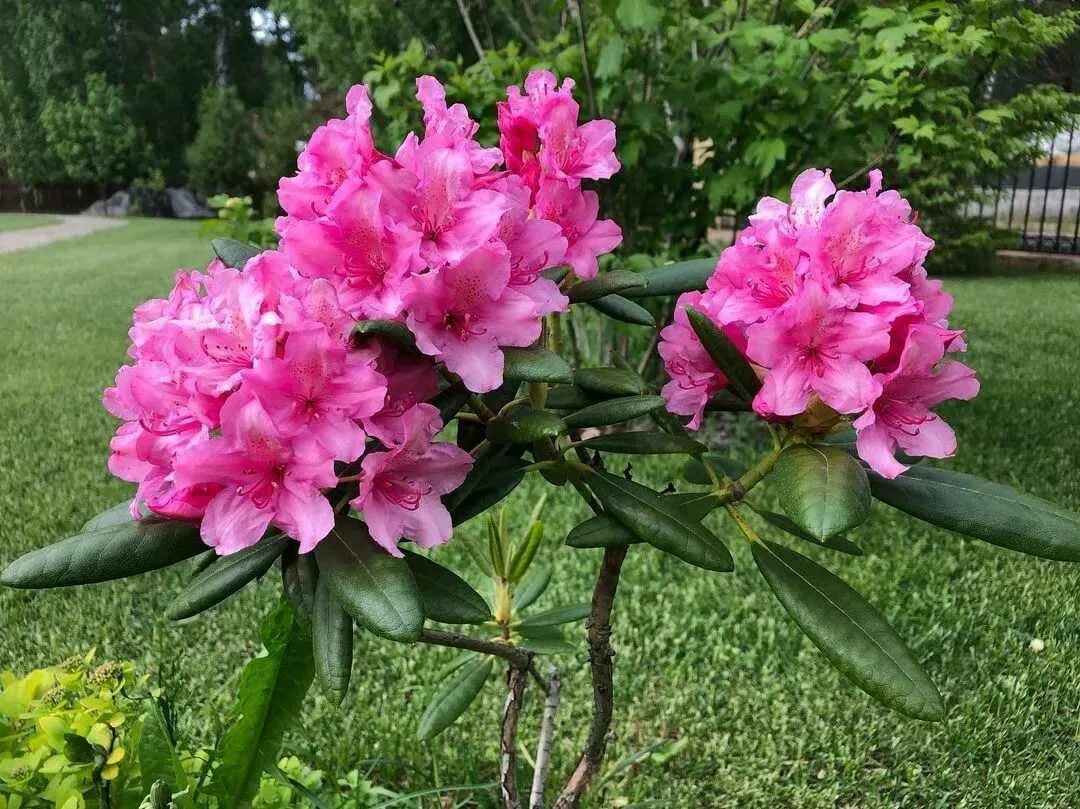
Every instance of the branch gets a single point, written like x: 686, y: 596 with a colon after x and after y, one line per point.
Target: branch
x: 473, y: 38
x: 515, y: 694
x: 547, y: 735
x: 579, y: 13
x: 601, y: 656
x: 518, y: 658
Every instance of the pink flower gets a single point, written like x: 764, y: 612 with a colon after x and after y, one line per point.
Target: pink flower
x: 320, y: 389
x: 410, y: 377
x: 400, y: 488
x: 575, y: 212
x: 265, y: 478
x: 813, y: 344
x: 900, y: 418
x: 464, y: 313
x: 694, y: 376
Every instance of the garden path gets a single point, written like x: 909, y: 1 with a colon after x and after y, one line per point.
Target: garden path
x: 70, y: 228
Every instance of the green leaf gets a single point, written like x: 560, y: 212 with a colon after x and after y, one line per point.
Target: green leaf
x: 786, y: 525
x: 850, y: 632
x: 299, y: 575
x: 645, y: 443
x: 532, y: 586
x: 112, y: 552
x: 609, y: 381
x: 978, y: 508
x: 741, y: 377
x: 606, y: 283
x: 331, y: 643
x: 545, y: 640
x: 567, y: 397
x: 613, y: 411
x: 234, y: 253
x: 524, y: 425
x: 625, y: 311
x: 446, y: 597
x: 639, y: 14
x: 120, y: 514
x: 454, y: 696
x: 159, y: 759
x: 673, y: 279
x: 492, y: 478
x: 600, y: 531
x: 449, y: 401
x: 694, y: 469
x: 725, y: 401
x: 226, y: 576
x: 393, y: 330
x: 77, y: 749
x: 557, y: 616
x: 659, y: 523
x: 822, y: 489
x: 269, y: 698
x: 609, y: 61
x: 524, y: 555
x: 535, y: 365
x: 375, y: 588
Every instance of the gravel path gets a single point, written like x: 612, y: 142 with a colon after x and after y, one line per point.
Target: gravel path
x: 70, y: 228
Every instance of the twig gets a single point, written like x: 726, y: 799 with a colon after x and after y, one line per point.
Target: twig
x: 547, y: 736
x: 601, y: 656
x: 579, y: 14
x: 519, y: 658
x: 465, y: 18
x: 515, y: 693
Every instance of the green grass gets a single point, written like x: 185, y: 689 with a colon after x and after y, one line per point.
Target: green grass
x: 706, y: 657
x: 22, y: 221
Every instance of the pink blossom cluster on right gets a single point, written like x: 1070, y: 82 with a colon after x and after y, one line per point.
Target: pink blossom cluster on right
x: 829, y: 298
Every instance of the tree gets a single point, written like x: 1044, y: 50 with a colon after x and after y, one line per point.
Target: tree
x: 222, y: 154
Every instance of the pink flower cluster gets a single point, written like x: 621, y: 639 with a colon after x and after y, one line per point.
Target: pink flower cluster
x: 438, y: 238
x: 248, y: 400
x: 829, y: 298
x: 246, y: 393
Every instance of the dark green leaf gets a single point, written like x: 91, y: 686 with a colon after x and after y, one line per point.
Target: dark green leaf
x: 492, y: 478
x: 606, y: 284
x: 446, y: 596
x: 600, y: 532
x: 375, y: 588
x: 524, y: 555
x: 626, y: 311
x: 645, y: 443
x: 120, y: 514
x: 661, y: 524
x: 984, y: 510
x: 393, y: 330
x: 850, y: 632
x: 545, y: 640
x: 532, y: 586
x: 299, y: 575
x: 566, y: 397
x: 727, y: 402
x: 557, y: 616
x: 822, y: 489
x: 234, y: 253
x: 269, y: 697
x: 741, y: 377
x: 159, y: 759
x: 694, y: 469
x: 226, y: 576
x: 673, y: 279
x: 331, y: 643
x: 786, y: 525
x: 450, y: 400
x: 613, y: 411
x: 524, y: 425
x: 454, y: 696
x: 113, y: 552
x: 535, y: 365
x: 77, y: 749
x: 609, y: 381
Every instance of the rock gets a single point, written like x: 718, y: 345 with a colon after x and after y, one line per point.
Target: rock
x: 118, y: 204
x: 186, y: 206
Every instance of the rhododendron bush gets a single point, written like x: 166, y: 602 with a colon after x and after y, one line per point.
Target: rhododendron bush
x: 339, y: 405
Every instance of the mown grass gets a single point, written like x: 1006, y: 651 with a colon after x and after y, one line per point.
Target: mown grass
x: 704, y: 657
x: 22, y: 221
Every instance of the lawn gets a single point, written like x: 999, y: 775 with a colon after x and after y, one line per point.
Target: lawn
x: 22, y: 221
x: 709, y: 658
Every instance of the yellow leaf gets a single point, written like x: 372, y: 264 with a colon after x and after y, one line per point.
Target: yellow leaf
x: 110, y: 772
x: 116, y: 756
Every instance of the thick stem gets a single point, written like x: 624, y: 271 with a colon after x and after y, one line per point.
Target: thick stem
x: 519, y: 658
x: 601, y: 657
x: 515, y: 694
x: 547, y: 737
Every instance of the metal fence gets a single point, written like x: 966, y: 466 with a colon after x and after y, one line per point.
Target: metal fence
x: 1040, y: 206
